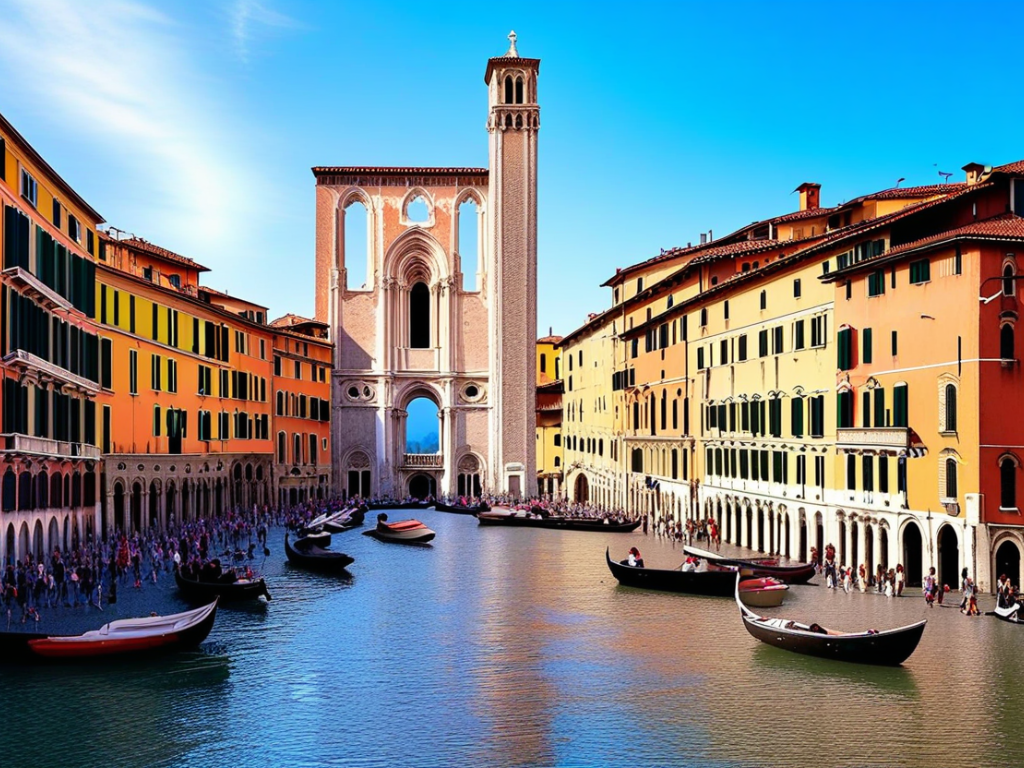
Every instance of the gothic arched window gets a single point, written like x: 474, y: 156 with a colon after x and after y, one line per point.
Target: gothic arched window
x: 419, y: 316
x: 508, y: 89
x: 519, y: 90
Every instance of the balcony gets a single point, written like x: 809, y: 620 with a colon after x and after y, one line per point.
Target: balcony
x: 876, y: 438
x: 41, y: 372
x: 35, y: 289
x: 44, y: 446
x: 423, y: 461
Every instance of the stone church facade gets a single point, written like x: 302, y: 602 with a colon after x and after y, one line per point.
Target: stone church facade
x: 416, y: 329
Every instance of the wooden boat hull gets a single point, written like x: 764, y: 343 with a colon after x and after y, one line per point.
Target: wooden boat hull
x: 556, y: 523
x: 889, y: 648
x: 317, y: 559
x: 458, y: 509
x: 402, y: 532
x: 763, y: 593
x: 206, y: 591
x: 124, y: 638
x: 707, y: 583
x: 790, y: 574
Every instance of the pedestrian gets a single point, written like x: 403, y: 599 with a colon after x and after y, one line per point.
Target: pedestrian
x: 862, y: 577
x: 901, y: 577
x: 930, y: 588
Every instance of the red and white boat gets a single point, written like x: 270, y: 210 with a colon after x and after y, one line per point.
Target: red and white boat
x: 763, y: 593
x: 401, y: 532
x: 126, y: 637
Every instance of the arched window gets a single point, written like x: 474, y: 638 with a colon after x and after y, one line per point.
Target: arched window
x: 1007, y: 483
x: 297, y: 448
x: 950, y: 414
x: 950, y: 478
x: 469, y: 244
x: 1008, y: 280
x: 419, y: 316
x: 1007, y: 347
x: 282, y: 448
x: 417, y: 211
x: 356, y: 246
x: 508, y: 89
x: 519, y: 90
x: 280, y: 403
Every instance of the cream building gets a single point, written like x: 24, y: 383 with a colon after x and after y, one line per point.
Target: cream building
x: 417, y: 328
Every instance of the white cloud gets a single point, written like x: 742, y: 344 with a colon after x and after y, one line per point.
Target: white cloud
x: 125, y: 75
x: 246, y: 16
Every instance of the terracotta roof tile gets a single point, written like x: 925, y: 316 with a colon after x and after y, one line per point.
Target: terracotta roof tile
x: 138, y: 244
x: 319, y: 170
x: 549, y: 340
x: 810, y: 213
x: 1007, y: 227
x: 927, y: 190
x: 1016, y: 167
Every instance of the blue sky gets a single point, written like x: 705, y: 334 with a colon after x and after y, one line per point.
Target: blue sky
x: 195, y: 124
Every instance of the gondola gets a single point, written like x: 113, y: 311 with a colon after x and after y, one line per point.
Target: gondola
x: 1011, y: 614
x: 344, y: 521
x: 462, y: 509
x: 118, y: 639
x: 315, y: 558
x: 205, y: 591
x: 791, y: 574
x: 319, y: 538
x: 715, y: 583
x: 764, y: 592
x: 400, y: 532
x: 386, y: 505
x: 601, y: 525
x: 888, y: 648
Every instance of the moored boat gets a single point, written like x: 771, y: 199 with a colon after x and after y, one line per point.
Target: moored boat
x: 228, y: 591
x: 313, y: 538
x: 711, y: 583
x: 886, y: 648
x: 316, y: 558
x: 401, y: 532
x: 118, y: 639
x: 343, y: 521
x: 791, y: 574
x: 462, y: 509
x: 763, y: 592
x: 528, y: 520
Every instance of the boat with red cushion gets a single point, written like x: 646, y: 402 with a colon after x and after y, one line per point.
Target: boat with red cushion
x: 791, y: 574
x: 400, y: 532
x: 121, y: 638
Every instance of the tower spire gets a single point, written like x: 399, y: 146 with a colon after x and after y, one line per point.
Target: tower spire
x: 512, y: 52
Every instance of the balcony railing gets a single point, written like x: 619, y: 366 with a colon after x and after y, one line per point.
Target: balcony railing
x: 35, y: 288
x: 424, y: 460
x: 44, y: 446
x: 34, y: 366
x: 895, y: 438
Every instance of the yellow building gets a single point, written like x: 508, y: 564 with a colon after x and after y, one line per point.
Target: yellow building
x: 549, y: 417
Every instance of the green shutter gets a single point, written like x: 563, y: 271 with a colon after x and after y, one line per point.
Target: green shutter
x: 866, y: 348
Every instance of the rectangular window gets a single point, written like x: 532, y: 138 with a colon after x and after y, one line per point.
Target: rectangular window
x: 74, y: 229
x: 798, y: 335
x: 844, y: 412
x: 298, y: 369
x: 894, y: 345
x: 56, y: 209
x: 920, y: 271
x: 131, y: 314
x: 724, y: 352
x: 819, y: 471
x: 172, y: 375
x: 106, y: 363
x: 762, y: 343
x: 818, y: 331
x: 764, y: 299
x: 775, y: 417
x: 883, y: 474
x: 817, y: 406
x: 777, y: 344
x: 796, y: 416
x: 755, y: 466
x: 876, y: 283
x: 156, y: 421
x: 868, y: 470
x: 880, y: 407
x: 865, y: 346
x: 133, y: 372
x: 851, y: 472
x: 801, y: 470
x: 899, y: 406
x: 958, y: 262
x: 700, y: 358
x: 764, y: 465
x: 29, y: 188
x: 796, y: 289
x: 742, y: 352
x: 745, y: 417
x: 845, y: 352
x: 277, y: 365
x: 849, y: 290
x: 156, y: 371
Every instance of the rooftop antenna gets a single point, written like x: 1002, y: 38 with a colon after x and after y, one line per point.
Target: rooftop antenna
x: 899, y: 181
x: 945, y: 176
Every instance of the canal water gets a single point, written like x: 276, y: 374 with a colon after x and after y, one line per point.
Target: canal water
x: 513, y: 647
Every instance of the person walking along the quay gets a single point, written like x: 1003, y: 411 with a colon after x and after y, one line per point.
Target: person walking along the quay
x: 930, y: 587
x: 901, y: 577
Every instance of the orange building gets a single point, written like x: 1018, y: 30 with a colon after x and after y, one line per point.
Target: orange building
x: 49, y: 361
x: 302, y: 409
x: 549, y: 417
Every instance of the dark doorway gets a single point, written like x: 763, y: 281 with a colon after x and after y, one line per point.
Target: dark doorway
x: 1008, y: 562
x: 136, y: 507
x: 949, y: 557
x: 514, y: 489
x: 883, y: 549
x: 842, y: 544
x: 869, y: 551
x: 419, y: 316
x: 912, y: 555
x: 854, y: 549
x: 803, y: 539
x: 760, y: 530
x: 819, y: 536
x: 582, y: 491
x: 421, y: 486
x: 119, y: 508
x: 750, y: 529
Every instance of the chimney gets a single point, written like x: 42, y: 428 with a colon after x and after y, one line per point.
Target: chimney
x: 975, y: 172
x: 810, y: 196
x: 703, y: 238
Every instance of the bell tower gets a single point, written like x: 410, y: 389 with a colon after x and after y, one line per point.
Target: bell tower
x: 512, y: 124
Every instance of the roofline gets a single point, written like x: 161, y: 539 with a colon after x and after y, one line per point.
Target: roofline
x: 331, y: 170
x: 168, y: 255
x: 58, y: 179
x: 512, y: 61
x: 888, y: 258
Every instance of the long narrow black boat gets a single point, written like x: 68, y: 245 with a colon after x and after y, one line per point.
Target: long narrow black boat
x: 790, y: 574
x: 601, y: 525
x: 888, y: 648
x: 462, y: 509
x: 385, y: 505
x: 206, y: 591
x: 315, y: 558
x: 708, y: 583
